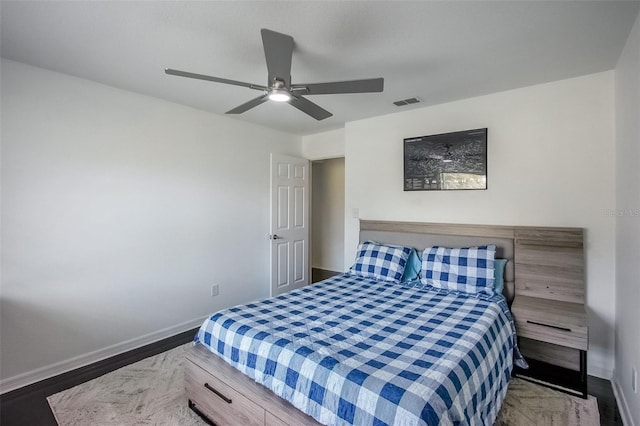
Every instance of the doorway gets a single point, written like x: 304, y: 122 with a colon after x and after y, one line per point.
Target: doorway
x: 327, y: 218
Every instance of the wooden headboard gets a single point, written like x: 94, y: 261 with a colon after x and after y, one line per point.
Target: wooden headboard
x: 422, y: 235
x: 530, y: 251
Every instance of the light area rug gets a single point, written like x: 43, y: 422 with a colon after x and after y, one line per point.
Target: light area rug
x: 151, y: 392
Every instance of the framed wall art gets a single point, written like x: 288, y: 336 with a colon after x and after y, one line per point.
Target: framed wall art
x: 448, y: 161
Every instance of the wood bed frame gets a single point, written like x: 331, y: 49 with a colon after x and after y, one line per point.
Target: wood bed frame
x: 545, y: 265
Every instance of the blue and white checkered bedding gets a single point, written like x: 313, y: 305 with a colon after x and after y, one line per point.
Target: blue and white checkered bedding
x: 469, y: 269
x: 380, y: 262
x: 355, y: 351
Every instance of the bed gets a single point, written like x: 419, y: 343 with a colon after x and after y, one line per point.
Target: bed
x: 358, y: 349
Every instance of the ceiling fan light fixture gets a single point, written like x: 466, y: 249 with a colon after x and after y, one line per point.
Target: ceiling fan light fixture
x: 279, y: 95
x: 278, y: 52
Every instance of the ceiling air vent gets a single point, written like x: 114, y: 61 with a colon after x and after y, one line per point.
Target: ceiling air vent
x: 407, y: 102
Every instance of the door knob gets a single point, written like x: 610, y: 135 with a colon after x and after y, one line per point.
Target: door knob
x: 276, y: 237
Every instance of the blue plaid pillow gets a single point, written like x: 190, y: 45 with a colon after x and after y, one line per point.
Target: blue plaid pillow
x: 381, y: 262
x: 469, y: 270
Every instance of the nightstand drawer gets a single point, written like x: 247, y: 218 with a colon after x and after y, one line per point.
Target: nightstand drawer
x: 547, y: 331
x: 551, y: 321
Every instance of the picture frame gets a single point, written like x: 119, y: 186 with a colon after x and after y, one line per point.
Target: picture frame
x: 446, y: 161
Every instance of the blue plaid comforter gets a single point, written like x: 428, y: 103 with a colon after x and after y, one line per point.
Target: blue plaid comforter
x: 355, y: 351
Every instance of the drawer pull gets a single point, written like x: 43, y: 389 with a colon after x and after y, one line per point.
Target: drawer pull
x: 203, y: 416
x: 550, y: 326
x: 217, y: 392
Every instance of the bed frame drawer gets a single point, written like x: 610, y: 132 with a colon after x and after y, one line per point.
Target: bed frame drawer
x: 219, y: 402
x: 271, y: 420
x: 202, y: 365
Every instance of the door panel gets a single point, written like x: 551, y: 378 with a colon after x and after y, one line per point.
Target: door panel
x: 289, y: 223
x: 283, y: 170
x: 283, y: 208
x: 299, y: 261
x: 283, y: 264
x: 299, y: 207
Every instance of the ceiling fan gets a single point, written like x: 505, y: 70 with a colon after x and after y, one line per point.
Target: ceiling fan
x: 278, y: 50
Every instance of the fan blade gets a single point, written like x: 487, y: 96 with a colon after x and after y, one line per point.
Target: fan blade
x: 278, y: 49
x: 308, y: 107
x: 248, y: 105
x: 216, y: 79
x: 354, y: 86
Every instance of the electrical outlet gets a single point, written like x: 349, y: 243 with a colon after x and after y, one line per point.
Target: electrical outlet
x: 215, y: 290
x: 634, y: 380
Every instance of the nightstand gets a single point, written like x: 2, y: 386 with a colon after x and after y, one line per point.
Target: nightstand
x: 554, y: 332
x: 549, y: 306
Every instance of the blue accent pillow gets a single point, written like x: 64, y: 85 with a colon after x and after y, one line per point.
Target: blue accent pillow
x: 414, y: 265
x: 467, y: 269
x: 380, y: 262
x: 498, y: 265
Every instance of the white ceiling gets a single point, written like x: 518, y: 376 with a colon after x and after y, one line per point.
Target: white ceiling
x: 437, y: 51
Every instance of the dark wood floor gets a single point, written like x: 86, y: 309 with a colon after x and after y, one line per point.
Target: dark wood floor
x: 601, y: 389
x: 29, y: 406
x: 321, y: 274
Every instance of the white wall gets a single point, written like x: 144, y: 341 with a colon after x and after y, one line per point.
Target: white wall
x: 118, y: 213
x: 627, y: 89
x: 327, y: 214
x: 320, y: 146
x: 550, y: 163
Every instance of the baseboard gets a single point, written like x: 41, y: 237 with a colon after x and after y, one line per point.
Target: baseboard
x: 599, y: 371
x: 43, y: 373
x: 627, y: 420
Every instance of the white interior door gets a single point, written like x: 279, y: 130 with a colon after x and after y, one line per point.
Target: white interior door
x: 289, y: 223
